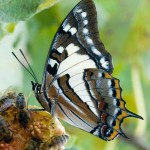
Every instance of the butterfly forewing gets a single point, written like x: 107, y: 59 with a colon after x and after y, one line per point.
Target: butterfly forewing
x: 77, y: 79
x: 77, y: 44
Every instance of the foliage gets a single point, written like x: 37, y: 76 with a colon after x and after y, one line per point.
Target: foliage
x: 12, y: 11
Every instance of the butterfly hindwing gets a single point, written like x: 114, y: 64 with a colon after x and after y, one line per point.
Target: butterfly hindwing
x: 91, y: 100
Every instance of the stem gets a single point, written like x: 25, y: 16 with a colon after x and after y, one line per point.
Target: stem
x: 139, y: 98
x: 138, y: 142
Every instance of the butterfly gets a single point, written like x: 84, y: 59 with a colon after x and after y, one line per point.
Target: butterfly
x: 77, y: 85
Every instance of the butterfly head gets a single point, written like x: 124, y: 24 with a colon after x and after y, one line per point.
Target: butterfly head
x: 36, y: 88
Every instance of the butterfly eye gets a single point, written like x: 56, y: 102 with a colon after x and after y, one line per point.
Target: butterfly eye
x: 33, y: 85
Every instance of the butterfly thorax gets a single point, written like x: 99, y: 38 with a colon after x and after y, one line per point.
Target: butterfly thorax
x: 46, y: 98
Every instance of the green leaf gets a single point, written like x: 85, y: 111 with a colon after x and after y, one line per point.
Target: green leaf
x: 13, y: 11
x: 18, y: 10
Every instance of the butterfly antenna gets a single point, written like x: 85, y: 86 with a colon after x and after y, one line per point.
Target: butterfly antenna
x: 33, y: 75
x: 29, y: 65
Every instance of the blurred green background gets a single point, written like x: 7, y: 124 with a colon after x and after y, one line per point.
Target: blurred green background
x: 125, y: 31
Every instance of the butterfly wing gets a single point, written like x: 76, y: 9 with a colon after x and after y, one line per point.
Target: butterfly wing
x: 76, y: 44
x: 91, y: 100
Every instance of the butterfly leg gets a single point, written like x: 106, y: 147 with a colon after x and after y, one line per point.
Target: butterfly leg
x: 53, y: 107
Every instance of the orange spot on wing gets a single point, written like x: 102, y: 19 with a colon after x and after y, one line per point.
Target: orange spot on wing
x: 113, y: 135
x: 121, y: 104
x: 108, y: 76
x: 118, y: 95
x: 123, y: 114
x: 117, y: 86
x: 117, y: 126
